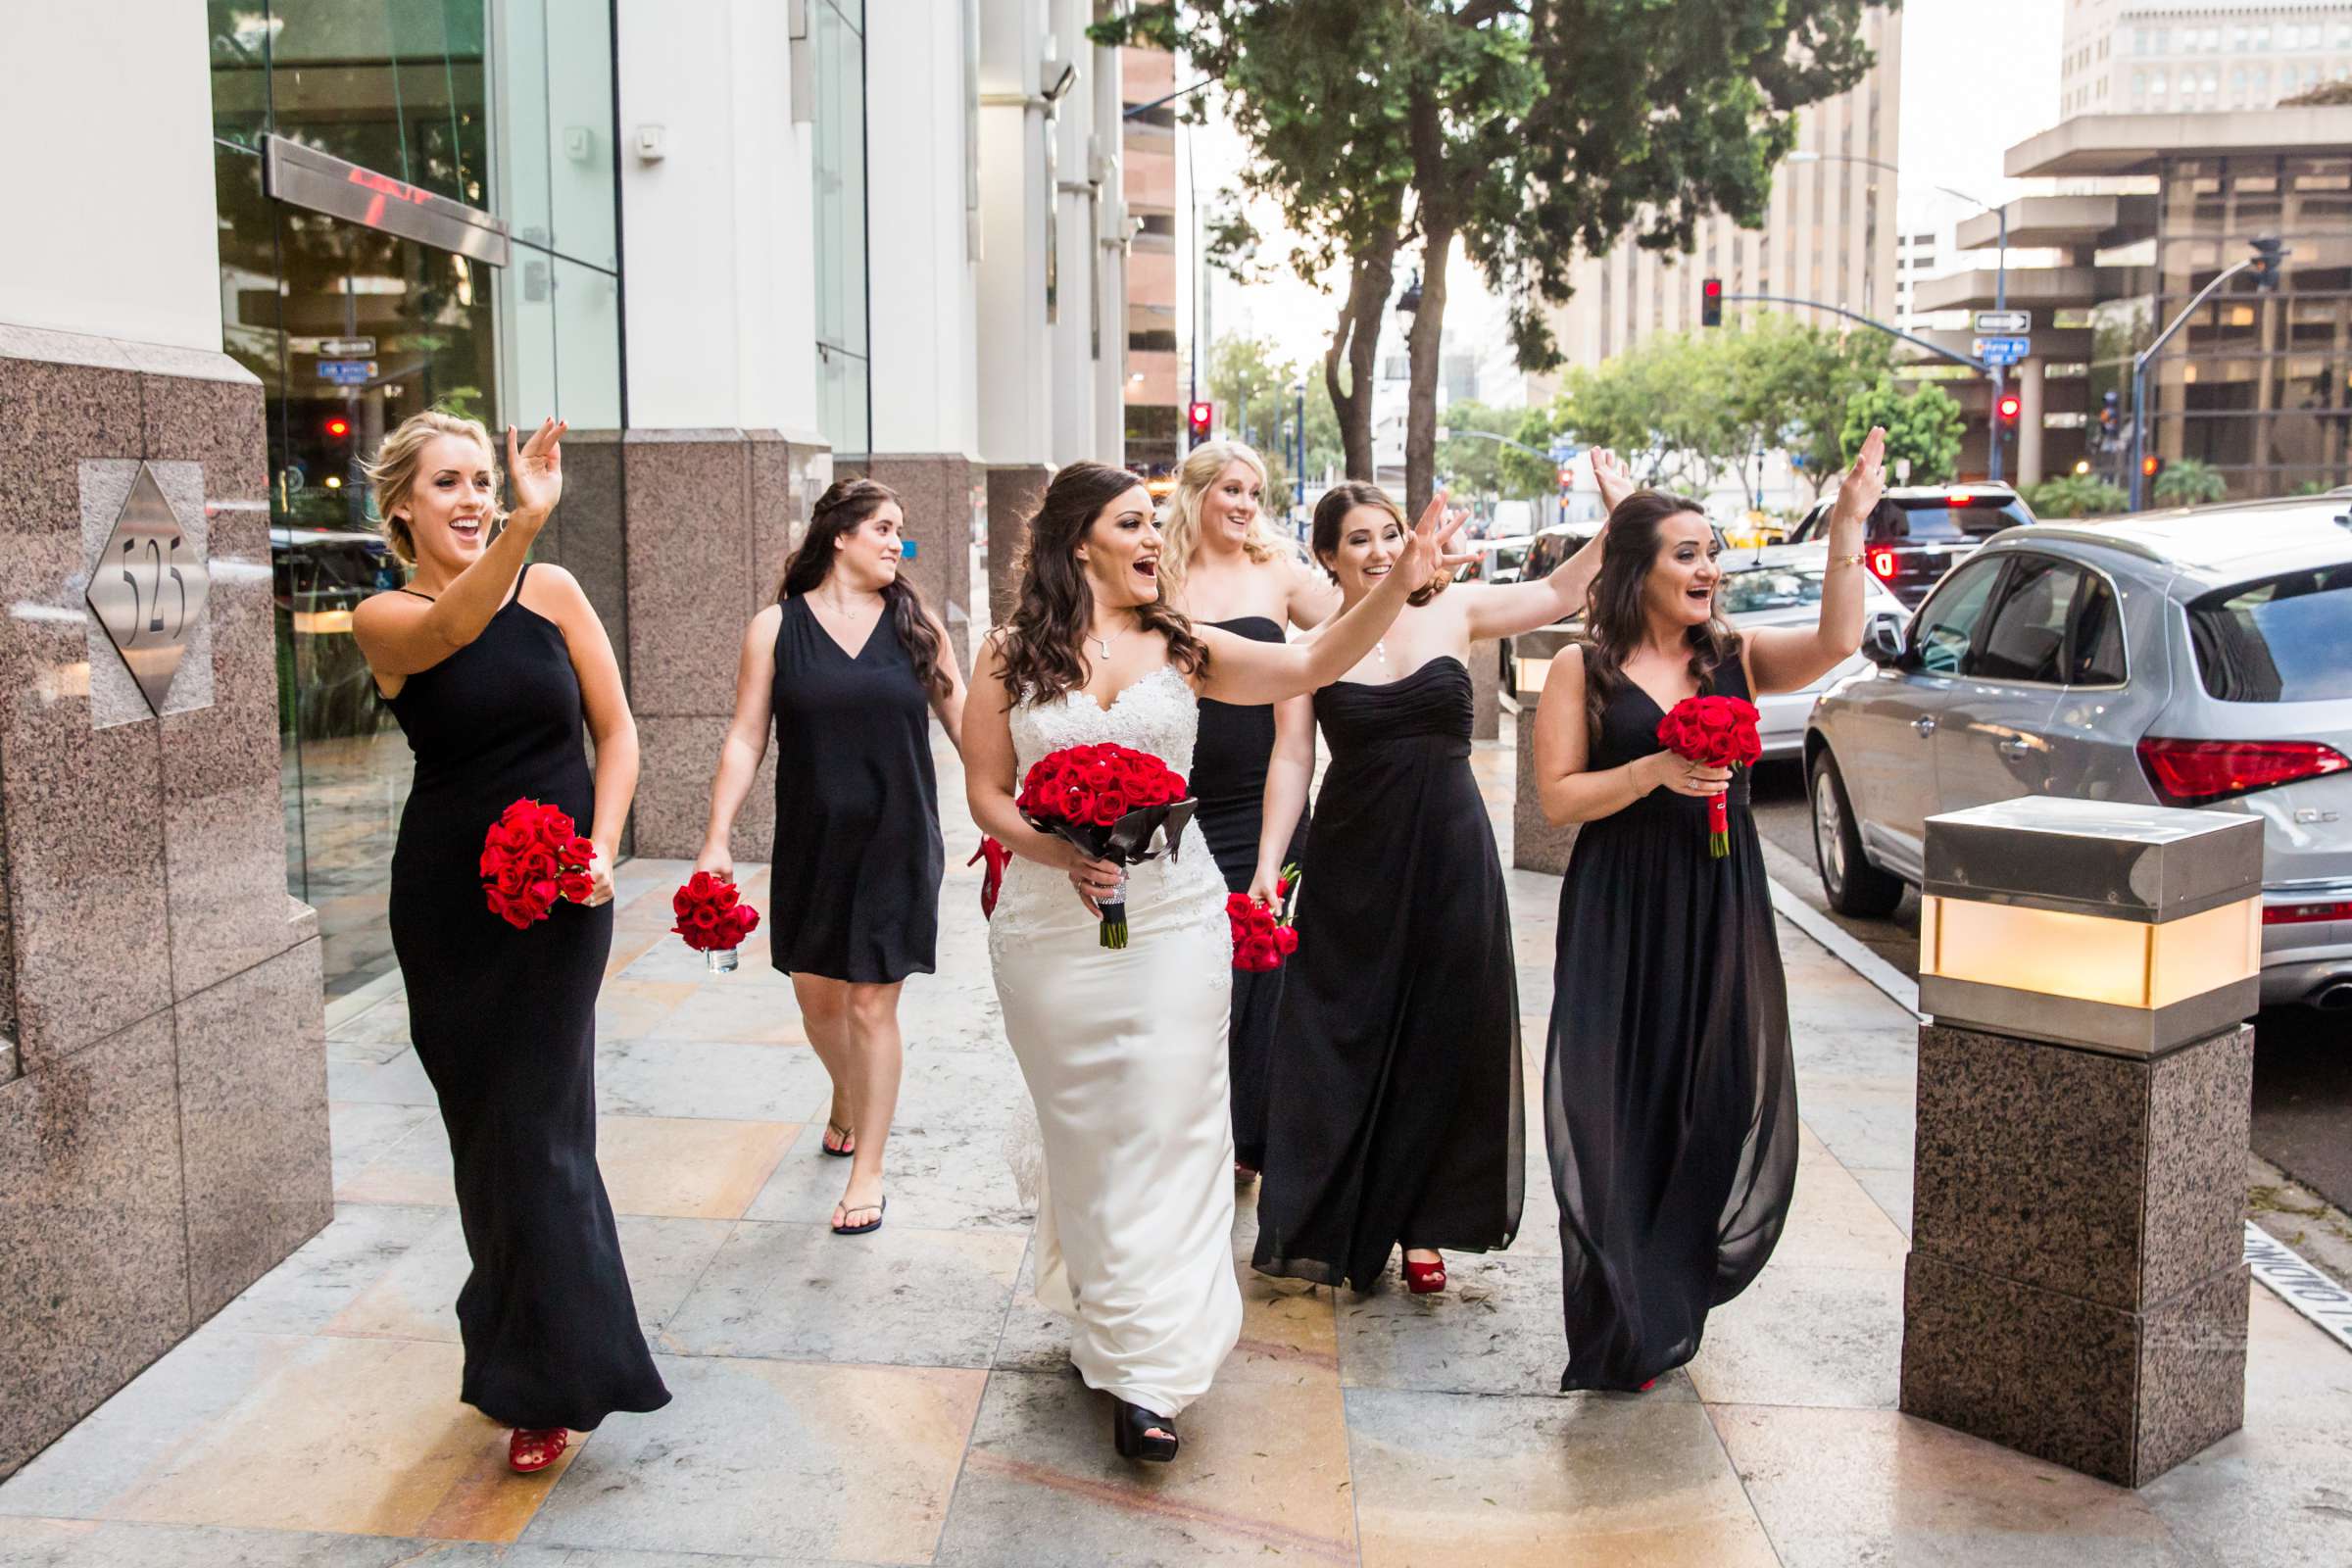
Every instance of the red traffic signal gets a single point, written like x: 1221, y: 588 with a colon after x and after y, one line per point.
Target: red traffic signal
x: 2150, y: 465
x: 1198, y: 419
x: 2009, y: 406
x: 338, y: 427
x: 1567, y: 476
x: 1710, y: 302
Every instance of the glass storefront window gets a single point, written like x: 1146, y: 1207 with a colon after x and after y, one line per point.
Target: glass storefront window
x: 843, y: 393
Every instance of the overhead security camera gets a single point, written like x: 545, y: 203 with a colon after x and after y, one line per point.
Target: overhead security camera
x: 1059, y: 76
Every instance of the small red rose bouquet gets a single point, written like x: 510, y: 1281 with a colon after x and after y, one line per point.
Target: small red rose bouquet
x: 1262, y: 934
x: 713, y: 918
x: 534, y: 858
x: 1114, y: 804
x: 1715, y: 732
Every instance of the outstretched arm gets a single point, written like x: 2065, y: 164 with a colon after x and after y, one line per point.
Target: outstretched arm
x: 1789, y: 658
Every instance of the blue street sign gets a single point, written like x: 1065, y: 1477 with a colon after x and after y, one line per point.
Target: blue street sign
x: 906, y: 549
x: 347, y: 372
x: 2003, y: 350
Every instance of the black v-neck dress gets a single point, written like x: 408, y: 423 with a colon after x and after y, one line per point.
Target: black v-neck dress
x: 858, y: 854
x: 1669, y: 1094
x: 504, y: 1022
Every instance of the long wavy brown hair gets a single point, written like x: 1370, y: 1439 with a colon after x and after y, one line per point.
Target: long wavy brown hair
x: 1331, y: 518
x: 843, y: 508
x: 1615, y: 622
x: 1053, y: 605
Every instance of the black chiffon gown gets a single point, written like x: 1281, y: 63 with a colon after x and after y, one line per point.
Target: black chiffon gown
x: 1229, y: 780
x: 857, y: 853
x: 1396, y: 1114
x: 1669, y: 1094
x: 504, y: 1022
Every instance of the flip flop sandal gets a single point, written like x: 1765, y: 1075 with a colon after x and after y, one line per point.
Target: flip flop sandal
x: 870, y: 1226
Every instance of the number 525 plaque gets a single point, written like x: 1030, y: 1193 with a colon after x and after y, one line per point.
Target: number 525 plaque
x: 148, y: 588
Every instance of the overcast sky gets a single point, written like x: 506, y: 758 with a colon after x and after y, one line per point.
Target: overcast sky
x: 1979, y: 75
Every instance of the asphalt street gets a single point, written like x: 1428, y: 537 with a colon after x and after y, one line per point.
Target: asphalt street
x: 2302, y: 1057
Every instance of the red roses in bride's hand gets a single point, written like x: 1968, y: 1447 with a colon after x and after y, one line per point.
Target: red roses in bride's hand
x: 1114, y: 804
x: 534, y: 858
x: 1714, y: 732
x: 711, y: 915
x: 1259, y: 942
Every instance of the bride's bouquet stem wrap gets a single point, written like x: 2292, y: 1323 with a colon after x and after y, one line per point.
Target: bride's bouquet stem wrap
x: 1113, y: 804
x: 1714, y: 732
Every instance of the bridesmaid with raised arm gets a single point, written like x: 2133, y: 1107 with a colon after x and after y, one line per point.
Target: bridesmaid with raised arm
x: 494, y: 667
x: 1396, y: 1114
x: 847, y: 665
x: 1222, y: 567
x: 1669, y: 1095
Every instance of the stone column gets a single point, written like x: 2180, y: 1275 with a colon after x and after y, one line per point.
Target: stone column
x: 2031, y: 389
x: 163, y: 1113
x: 711, y: 514
x: 1535, y: 843
x: 1486, y: 689
x: 942, y: 494
x: 1014, y: 491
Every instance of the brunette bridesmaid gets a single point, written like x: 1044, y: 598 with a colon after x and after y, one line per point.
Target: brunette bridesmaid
x: 494, y: 667
x: 1221, y: 566
x: 1669, y: 1095
x: 847, y: 666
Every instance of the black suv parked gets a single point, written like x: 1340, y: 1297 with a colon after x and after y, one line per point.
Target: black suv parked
x: 1917, y: 534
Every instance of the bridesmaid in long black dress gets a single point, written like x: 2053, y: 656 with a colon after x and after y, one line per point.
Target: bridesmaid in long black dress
x: 492, y: 668
x: 1669, y: 1095
x: 1395, y: 1113
x: 847, y: 665
x: 1221, y: 566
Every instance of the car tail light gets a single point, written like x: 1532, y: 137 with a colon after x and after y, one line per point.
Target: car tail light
x: 2193, y: 772
x: 1881, y: 565
x: 2306, y: 914
x: 1959, y: 498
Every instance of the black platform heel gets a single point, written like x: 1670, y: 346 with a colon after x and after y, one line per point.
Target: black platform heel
x: 1131, y: 1428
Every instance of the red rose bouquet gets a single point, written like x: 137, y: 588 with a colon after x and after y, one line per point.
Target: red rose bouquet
x: 532, y: 858
x: 1114, y: 804
x: 1716, y: 732
x: 1262, y: 936
x: 713, y: 918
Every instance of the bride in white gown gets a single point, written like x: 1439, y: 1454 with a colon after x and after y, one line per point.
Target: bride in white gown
x: 1124, y: 1050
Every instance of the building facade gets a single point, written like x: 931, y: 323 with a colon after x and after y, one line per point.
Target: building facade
x: 2198, y: 56
x: 1155, y: 393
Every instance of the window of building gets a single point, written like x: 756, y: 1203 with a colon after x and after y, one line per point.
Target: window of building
x: 843, y: 380
x: 2160, y: 83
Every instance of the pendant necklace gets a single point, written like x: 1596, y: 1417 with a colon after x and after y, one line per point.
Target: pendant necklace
x: 1103, y: 643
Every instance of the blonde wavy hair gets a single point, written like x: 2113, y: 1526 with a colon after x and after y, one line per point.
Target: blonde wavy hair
x: 392, y: 473
x: 1179, y: 516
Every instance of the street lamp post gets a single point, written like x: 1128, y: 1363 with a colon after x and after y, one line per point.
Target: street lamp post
x: 2000, y: 280
x: 2266, y: 258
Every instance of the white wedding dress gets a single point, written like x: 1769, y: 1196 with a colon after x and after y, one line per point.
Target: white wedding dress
x: 1124, y: 1054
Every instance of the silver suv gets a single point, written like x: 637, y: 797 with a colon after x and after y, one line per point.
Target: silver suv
x: 2193, y: 657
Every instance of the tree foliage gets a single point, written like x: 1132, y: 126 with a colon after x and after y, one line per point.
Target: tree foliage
x: 2077, y: 494
x: 1251, y: 381
x: 1922, y: 425
x: 1471, y: 467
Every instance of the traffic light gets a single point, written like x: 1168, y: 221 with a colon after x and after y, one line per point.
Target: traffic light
x: 1567, y: 476
x: 337, y: 427
x: 2150, y: 465
x: 1198, y: 419
x: 2009, y: 406
x: 2269, y: 253
x: 1710, y: 302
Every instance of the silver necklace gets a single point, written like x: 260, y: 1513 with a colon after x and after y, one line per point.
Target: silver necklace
x: 1103, y: 643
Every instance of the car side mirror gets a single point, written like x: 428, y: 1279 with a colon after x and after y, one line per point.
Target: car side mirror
x: 1883, y: 642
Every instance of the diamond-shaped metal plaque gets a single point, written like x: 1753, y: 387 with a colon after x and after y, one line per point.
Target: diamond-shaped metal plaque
x: 148, y: 588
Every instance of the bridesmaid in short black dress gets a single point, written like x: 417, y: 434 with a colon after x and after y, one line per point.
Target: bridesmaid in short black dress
x: 504, y: 1020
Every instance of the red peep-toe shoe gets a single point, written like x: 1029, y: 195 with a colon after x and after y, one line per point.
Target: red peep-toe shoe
x: 1424, y: 1279
x: 534, y: 1448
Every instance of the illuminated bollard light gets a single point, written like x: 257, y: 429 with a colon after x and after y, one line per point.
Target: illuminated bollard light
x: 2076, y: 1288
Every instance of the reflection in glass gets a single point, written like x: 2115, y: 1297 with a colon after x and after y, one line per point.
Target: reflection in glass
x: 396, y: 85
x: 844, y: 411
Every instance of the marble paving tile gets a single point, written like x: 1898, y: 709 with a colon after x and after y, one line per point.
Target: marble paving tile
x: 1889, y: 1187
x: 112, y: 1544
x: 323, y: 1276
x: 1832, y: 1222
x: 1862, y: 1121
x: 1589, y: 1479
x: 630, y: 1009
x: 361, y: 1437
x: 898, y: 1296
x: 417, y: 1297
x: 411, y: 1167
x: 1289, y: 1334
x: 755, y: 1013
x: 362, y: 1132
x: 396, y: 1080
x: 1804, y: 1336
x: 855, y: 1463
x: 675, y: 961
x: 712, y: 1079
x: 384, y: 1023
x: 1495, y: 1329
x: 939, y: 1177
x: 1910, y: 1492
x: 1264, y: 1477
x: 693, y: 1167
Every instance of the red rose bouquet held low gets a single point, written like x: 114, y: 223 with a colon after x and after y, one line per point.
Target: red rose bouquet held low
x: 1262, y: 934
x: 713, y: 918
x: 1714, y: 732
x: 534, y: 858
x: 1113, y: 803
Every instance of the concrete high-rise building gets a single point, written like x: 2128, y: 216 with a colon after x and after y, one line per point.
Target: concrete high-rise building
x: 1830, y: 234
x: 2175, y: 56
x: 1153, y: 393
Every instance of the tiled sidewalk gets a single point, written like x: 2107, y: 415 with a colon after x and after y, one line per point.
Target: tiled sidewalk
x: 902, y: 1398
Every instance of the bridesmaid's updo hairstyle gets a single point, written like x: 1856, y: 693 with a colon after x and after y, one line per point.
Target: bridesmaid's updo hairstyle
x: 1053, y: 607
x: 843, y: 508
x: 1615, y: 622
x: 1331, y: 519
x: 1180, y: 519
x: 392, y: 473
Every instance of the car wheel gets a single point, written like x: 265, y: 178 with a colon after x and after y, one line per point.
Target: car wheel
x: 1853, y: 886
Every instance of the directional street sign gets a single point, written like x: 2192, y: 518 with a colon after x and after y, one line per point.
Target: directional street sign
x: 347, y: 372
x: 2003, y: 350
x: 2005, y: 322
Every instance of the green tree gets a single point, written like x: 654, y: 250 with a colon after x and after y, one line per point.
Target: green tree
x: 1526, y: 131
x: 1787, y: 386
x: 1923, y: 424
x: 2077, y: 495
x: 1470, y: 466
x: 1250, y: 384
x: 1664, y: 407
x: 2190, y: 482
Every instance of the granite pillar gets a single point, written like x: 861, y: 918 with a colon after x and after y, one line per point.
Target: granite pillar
x: 1535, y: 843
x: 944, y: 495
x: 1486, y: 689
x: 1013, y: 492
x: 163, y: 1113
x: 2075, y: 1287
x: 710, y: 516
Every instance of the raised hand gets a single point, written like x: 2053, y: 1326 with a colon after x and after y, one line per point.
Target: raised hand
x: 1610, y: 476
x: 1425, y: 555
x: 1865, y: 482
x: 536, y: 472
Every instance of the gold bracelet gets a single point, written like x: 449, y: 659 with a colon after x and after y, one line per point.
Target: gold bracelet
x: 1846, y: 561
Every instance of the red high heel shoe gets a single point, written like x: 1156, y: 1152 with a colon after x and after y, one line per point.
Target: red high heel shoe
x: 1424, y: 1279
x: 533, y: 1449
